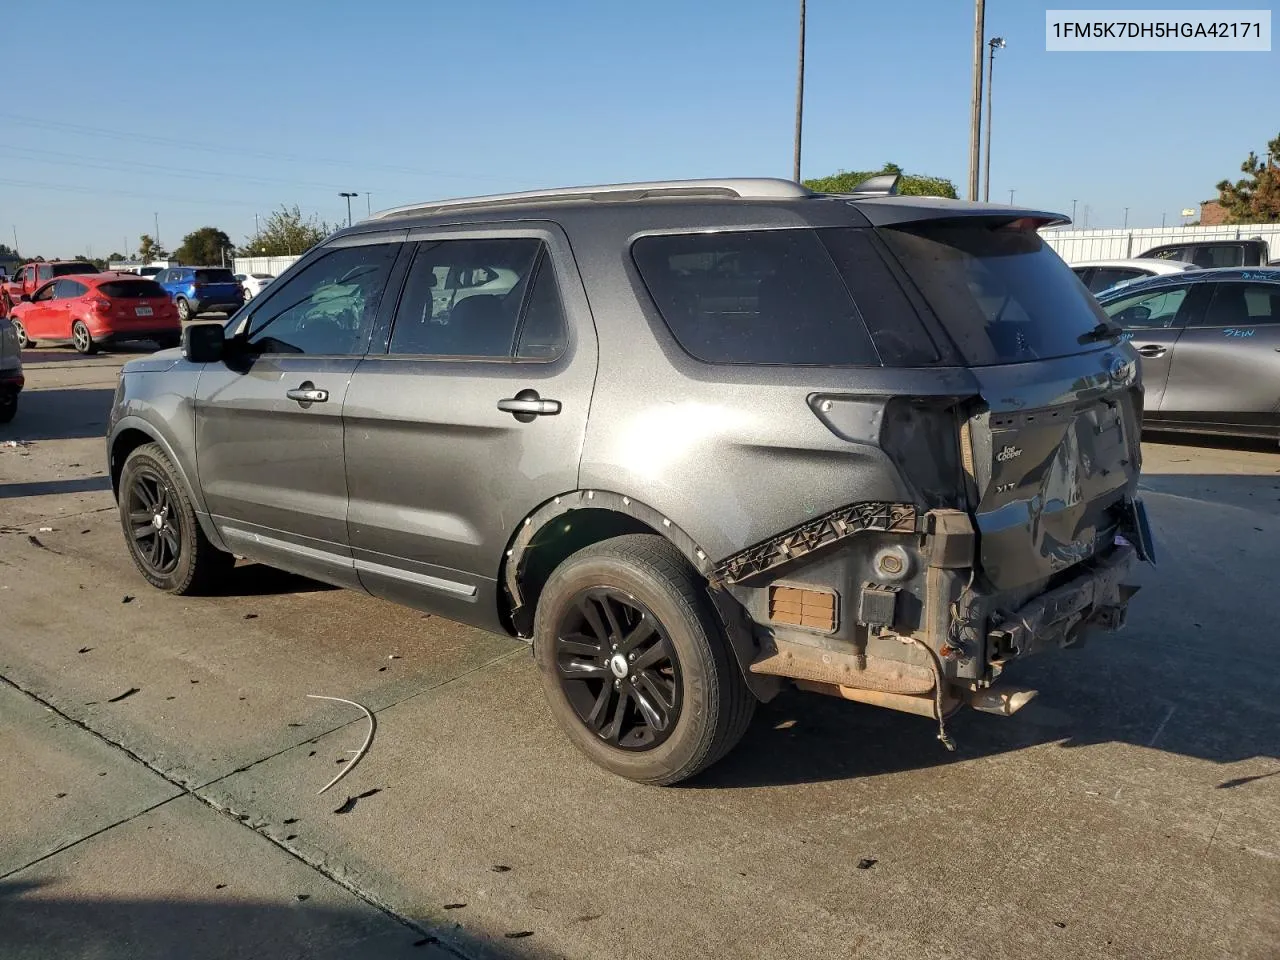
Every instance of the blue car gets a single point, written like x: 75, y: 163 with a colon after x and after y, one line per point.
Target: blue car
x: 197, y: 290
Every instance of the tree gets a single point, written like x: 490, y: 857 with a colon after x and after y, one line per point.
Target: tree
x: 149, y: 250
x: 207, y: 245
x: 911, y: 184
x: 116, y: 258
x: 1256, y: 198
x: 286, y: 233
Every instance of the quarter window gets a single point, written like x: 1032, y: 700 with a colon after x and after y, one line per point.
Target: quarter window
x: 327, y: 308
x: 493, y: 299
x: 1158, y: 308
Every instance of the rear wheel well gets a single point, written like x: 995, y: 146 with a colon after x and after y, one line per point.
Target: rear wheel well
x: 123, y: 445
x: 559, y: 539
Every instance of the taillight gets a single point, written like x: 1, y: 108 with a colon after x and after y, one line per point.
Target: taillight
x: 100, y: 303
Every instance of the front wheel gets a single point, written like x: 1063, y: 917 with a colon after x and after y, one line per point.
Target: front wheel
x: 635, y: 664
x: 184, y: 310
x: 82, y: 339
x: 24, y: 341
x: 160, y: 526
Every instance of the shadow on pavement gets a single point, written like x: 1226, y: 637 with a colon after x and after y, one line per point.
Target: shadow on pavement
x: 249, y: 579
x: 37, y: 925
x: 60, y: 414
x: 1208, y: 441
x: 40, y: 488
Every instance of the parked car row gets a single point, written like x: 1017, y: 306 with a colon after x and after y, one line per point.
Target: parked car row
x: 73, y: 301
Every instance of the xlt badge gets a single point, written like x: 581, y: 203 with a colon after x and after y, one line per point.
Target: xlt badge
x: 1010, y: 452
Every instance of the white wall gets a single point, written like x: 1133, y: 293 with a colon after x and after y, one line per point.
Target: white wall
x: 1077, y: 245
x: 272, y: 265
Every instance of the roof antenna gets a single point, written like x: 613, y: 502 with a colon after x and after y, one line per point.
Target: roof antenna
x: 881, y: 185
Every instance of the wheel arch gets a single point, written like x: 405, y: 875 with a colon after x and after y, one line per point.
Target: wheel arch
x: 544, y: 540
x: 130, y: 433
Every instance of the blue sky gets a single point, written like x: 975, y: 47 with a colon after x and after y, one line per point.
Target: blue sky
x: 207, y: 114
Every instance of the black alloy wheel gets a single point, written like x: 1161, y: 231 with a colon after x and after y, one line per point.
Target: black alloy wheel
x: 153, y: 522
x: 618, y: 669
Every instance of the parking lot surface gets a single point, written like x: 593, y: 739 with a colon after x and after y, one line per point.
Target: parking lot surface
x: 160, y: 764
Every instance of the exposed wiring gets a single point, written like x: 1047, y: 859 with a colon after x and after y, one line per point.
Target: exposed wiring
x: 359, y: 754
x: 936, y: 665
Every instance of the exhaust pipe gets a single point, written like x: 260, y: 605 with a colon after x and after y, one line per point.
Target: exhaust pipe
x: 1004, y: 702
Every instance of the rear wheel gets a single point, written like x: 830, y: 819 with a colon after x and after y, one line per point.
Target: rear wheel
x: 160, y: 527
x: 82, y: 339
x: 24, y: 342
x: 184, y: 309
x: 635, y: 664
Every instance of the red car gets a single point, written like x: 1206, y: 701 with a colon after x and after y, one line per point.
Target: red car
x: 95, y: 309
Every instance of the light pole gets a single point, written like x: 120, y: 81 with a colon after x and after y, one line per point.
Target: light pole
x: 995, y: 43
x: 256, y: 231
x: 795, y: 167
x: 348, y: 196
x: 1162, y: 220
x: 1126, y: 218
x: 157, y: 237
x: 975, y: 104
x: 1011, y: 198
x: 368, y: 204
x: 1073, y: 211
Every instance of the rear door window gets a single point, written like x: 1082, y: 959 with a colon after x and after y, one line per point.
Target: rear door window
x: 1218, y: 255
x: 473, y: 298
x: 1236, y: 304
x: 1000, y: 291
x: 757, y: 297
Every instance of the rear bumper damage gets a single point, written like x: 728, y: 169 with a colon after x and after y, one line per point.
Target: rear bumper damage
x: 885, y: 605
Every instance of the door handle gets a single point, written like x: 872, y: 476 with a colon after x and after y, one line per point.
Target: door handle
x: 526, y: 405
x: 1152, y: 350
x: 308, y: 393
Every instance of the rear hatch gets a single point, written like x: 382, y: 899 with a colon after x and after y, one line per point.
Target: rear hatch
x: 1051, y: 442
x: 215, y: 285
x: 139, y: 301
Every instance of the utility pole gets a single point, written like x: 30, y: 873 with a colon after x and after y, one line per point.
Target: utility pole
x: 795, y: 167
x: 348, y: 196
x: 1073, y: 211
x: 1011, y: 198
x: 15, y: 238
x: 975, y: 106
x: 256, y: 230
x: 157, y: 236
x: 1162, y: 220
x: 368, y: 204
x: 1126, y: 219
x: 994, y: 44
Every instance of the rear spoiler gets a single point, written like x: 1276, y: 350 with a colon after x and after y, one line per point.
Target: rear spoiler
x: 887, y: 211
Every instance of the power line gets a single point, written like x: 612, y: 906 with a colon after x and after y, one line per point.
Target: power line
x: 102, y: 191
x: 223, y: 150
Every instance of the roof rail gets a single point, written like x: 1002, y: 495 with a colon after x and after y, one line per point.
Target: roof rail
x: 760, y: 188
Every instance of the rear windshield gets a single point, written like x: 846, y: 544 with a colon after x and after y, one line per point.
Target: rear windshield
x: 1002, y: 294
x: 132, y: 289
x: 64, y: 269
x: 215, y: 276
x: 782, y: 297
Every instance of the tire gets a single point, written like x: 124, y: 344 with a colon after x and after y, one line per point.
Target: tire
x: 641, y: 578
x: 82, y: 339
x: 184, y: 310
x: 8, y: 407
x: 24, y: 342
x: 187, y: 562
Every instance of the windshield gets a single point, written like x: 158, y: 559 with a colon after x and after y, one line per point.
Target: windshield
x: 1003, y: 295
x: 63, y: 269
x: 215, y: 276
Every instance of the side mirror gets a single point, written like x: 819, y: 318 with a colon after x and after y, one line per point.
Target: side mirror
x: 203, y: 342
x: 25, y: 298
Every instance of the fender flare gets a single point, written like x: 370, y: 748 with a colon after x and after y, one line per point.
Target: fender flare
x: 733, y: 617
x: 134, y: 422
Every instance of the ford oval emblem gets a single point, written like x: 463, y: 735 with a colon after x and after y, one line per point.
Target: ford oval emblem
x: 1117, y: 367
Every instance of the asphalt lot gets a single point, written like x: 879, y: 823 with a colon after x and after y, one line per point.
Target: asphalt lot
x: 159, y: 762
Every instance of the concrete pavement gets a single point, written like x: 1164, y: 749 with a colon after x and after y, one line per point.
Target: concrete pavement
x: 1133, y: 810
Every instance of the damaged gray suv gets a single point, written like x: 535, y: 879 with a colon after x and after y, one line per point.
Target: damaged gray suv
x: 695, y: 440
